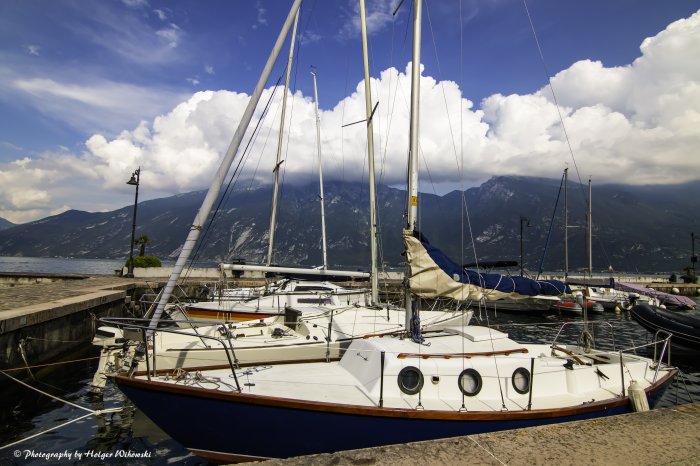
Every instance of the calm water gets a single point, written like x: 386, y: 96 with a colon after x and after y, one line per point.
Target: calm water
x: 58, y: 265
x: 101, y: 439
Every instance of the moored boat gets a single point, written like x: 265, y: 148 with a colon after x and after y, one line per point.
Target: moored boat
x: 399, y: 388
x: 684, y: 328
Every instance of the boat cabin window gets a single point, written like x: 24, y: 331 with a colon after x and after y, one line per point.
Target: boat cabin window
x: 521, y: 380
x: 312, y: 288
x: 410, y: 380
x: 470, y: 382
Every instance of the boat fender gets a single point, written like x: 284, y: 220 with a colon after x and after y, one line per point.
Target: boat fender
x: 638, y: 397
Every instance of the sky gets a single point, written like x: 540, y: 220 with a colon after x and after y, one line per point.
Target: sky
x: 89, y: 91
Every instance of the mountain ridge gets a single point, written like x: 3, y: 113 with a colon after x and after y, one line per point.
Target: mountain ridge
x: 635, y: 228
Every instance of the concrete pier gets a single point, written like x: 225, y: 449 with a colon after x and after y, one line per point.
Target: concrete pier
x: 661, y: 436
x: 40, y: 319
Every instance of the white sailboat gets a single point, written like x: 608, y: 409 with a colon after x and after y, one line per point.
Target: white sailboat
x: 393, y: 389
x: 300, y: 320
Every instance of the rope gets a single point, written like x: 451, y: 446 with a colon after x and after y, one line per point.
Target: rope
x: 471, y: 437
x: 90, y: 412
x: 45, y: 431
x: 49, y: 364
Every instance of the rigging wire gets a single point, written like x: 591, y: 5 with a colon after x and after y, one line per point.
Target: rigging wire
x: 231, y: 183
x: 551, y: 224
x: 554, y: 96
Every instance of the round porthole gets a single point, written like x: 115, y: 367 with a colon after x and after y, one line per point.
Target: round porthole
x: 410, y: 380
x: 470, y: 382
x: 521, y: 380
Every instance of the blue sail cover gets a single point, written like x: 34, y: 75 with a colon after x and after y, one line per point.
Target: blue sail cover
x: 492, y: 281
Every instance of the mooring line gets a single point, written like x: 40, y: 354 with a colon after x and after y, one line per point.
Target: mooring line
x: 486, y: 450
x: 44, y: 431
x: 50, y: 364
x: 90, y: 411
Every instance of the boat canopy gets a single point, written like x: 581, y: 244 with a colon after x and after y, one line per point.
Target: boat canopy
x: 434, y: 274
x: 666, y: 298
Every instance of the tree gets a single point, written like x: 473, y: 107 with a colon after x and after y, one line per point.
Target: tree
x: 142, y: 241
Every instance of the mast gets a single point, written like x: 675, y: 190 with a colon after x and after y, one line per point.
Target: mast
x: 220, y: 175
x: 590, y: 230
x: 278, y: 162
x: 320, y: 174
x: 370, y: 156
x: 566, y: 223
x: 412, y: 204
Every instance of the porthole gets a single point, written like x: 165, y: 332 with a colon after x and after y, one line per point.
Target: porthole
x: 410, y: 380
x: 521, y: 380
x: 470, y: 382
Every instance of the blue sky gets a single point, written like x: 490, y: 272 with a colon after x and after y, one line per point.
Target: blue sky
x: 90, y: 90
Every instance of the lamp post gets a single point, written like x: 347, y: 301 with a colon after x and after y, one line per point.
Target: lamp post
x: 693, y: 257
x: 134, y: 181
x: 522, y: 221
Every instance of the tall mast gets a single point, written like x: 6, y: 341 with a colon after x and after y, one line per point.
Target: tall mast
x: 590, y: 230
x: 278, y: 162
x: 412, y: 204
x: 320, y: 174
x: 370, y: 155
x: 566, y: 223
x: 220, y: 175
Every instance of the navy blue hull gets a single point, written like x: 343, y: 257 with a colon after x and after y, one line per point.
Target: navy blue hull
x: 237, y: 428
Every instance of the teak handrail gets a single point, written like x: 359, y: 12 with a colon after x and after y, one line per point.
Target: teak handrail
x: 463, y: 355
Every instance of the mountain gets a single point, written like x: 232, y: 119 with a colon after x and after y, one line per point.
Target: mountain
x: 4, y: 224
x: 636, y: 228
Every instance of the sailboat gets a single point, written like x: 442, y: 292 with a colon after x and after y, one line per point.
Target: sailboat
x: 395, y: 389
x: 273, y: 300
x: 301, y: 320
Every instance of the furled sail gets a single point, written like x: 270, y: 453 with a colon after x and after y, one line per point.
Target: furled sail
x: 434, y: 274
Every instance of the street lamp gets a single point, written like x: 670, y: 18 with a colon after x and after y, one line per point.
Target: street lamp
x: 522, y: 221
x: 134, y: 181
x: 693, y: 257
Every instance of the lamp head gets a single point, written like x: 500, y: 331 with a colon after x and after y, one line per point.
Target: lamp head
x: 133, y: 181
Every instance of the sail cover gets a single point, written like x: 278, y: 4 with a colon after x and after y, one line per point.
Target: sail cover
x: 434, y: 274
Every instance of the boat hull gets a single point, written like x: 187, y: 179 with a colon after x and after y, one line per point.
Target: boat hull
x: 271, y: 427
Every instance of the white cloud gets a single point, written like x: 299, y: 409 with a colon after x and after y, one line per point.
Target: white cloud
x: 170, y: 35
x: 634, y: 124
x: 33, y: 50
x: 261, y: 19
x: 309, y: 37
x: 98, y: 105
x: 128, y: 35
x: 161, y: 14
x: 194, y: 81
x: 208, y: 69
x: 378, y: 13
x: 135, y: 3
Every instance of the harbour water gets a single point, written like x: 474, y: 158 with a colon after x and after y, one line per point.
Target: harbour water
x: 62, y: 265
x: 127, y: 437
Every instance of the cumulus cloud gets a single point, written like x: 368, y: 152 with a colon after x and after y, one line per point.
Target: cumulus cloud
x: 633, y: 124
